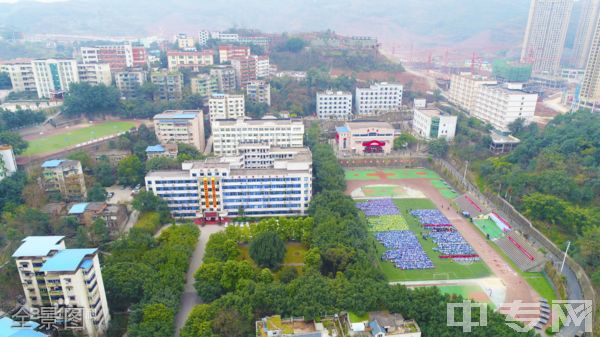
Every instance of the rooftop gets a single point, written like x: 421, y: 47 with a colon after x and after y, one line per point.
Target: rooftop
x: 341, y: 129
x: 38, y: 246
x: 368, y: 124
x: 155, y: 148
x: 11, y: 328
x: 178, y: 114
x: 433, y: 112
x: 78, y: 208
x: 499, y: 138
x: 67, y: 260
x: 241, y: 120
x: 52, y: 163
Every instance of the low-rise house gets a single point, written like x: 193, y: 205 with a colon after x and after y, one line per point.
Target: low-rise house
x: 86, y: 213
x: 275, y: 326
x: 167, y: 150
x: 114, y: 156
x: 55, y: 209
x: 385, y: 324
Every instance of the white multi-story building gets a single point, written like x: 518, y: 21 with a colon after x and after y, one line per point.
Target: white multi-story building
x: 259, y: 181
x: 584, y: 37
x: 590, y: 86
x: 95, y: 74
x: 193, y: 60
x: 262, y: 66
x: 334, y: 105
x: 501, y: 105
x: 169, y: 84
x: 203, y: 37
x: 433, y: 123
x: 53, y: 275
x: 545, y: 34
x: 129, y: 81
x: 185, y: 42
x: 50, y: 77
x: 227, y: 52
x: 119, y: 56
x: 65, y: 178
x: 225, y: 78
x: 53, y: 77
x: 180, y: 126
x: 8, y: 164
x: 227, y: 37
x: 379, y: 98
x: 464, y: 89
x: 259, y: 91
x: 21, y: 75
x: 365, y: 137
x: 228, y: 135
x: 226, y: 106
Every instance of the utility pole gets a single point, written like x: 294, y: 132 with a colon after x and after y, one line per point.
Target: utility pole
x: 565, y: 256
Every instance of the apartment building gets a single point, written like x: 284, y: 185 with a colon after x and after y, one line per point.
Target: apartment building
x: 203, y: 37
x: 114, y: 215
x: 262, y: 41
x: 185, y: 42
x: 226, y: 106
x: 229, y: 134
x: 95, y: 74
x: 169, y: 150
x: 21, y: 75
x: 53, y: 77
x: 203, y: 84
x: 545, y: 34
x: 230, y: 51
x: 245, y: 70
x: 379, y: 98
x: 590, y: 86
x: 64, y: 177
x: 118, y: 56
x: 263, y: 66
x: 193, y: 60
x: 433, y: 123
x: 225, y: 78
x: 129, y: 81
x: 53, y: 275
x: 227, y: 37
x: 500, y: 105
x: 361, y: 138
x: 8, y: 164
x: 464, y: 89
x: 169, y: 84
x: 259, y: 181
x: 180, y: 126
x: 334, y: 105
x: 259, y: 92
x: 584, y: 36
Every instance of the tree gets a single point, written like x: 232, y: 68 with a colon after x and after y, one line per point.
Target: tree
x: 221, y: 248
x: 161, y: 163
x: 230, y: 323
x: 13, y: 139
x: 5, y: 82
x: 199, y: 322
x: 91, y: 100
x: 256, y: 110
x: 589, y: 248
x: 146, y: 201
x: 98, y: 233
x: 188, y: 152
x: 293, y: 45
x: 288, y: 274
x: 157, y: 321
x: 517, y: 126
x: 130, y: 171
x: 87, y: 163
x: 405, y: 140
x: 438, y: 147
x: 124, y: 283
x: 267, y: 250
x: 97, y: 193
x: 104, y: 172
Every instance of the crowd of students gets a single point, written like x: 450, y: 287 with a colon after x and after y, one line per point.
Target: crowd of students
x: 404, y: 250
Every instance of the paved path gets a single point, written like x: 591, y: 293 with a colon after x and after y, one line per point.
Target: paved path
x: 190, y: 298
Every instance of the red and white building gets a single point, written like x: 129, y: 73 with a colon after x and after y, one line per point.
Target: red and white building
x: 229, y: 51
x: 118, y: 56
x: 359, y: 138
x: 245, y: 70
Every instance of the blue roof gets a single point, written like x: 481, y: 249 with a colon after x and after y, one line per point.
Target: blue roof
x: 52, y: 163
x: 38, y: 246
x: 78, y: 208
x: 176, y: 116
x: 67, y: 260
x: 87, y: 264
x: 10, y: 328
x: 341, y: 129
x: 155, y: 148
x: 375, y: 328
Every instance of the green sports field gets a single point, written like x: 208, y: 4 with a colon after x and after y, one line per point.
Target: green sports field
x: 445, y: 269
x: 58, y: 142
x: 489, y: 227
x: 374, y: 174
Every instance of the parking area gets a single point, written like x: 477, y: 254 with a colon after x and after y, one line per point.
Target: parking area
x: 121, y: 195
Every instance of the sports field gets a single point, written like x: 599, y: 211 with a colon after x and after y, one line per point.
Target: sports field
x: 471, y: 291
x: 75, y: 136
x: 488, y: 226
x: 445, y: 269
x: 373, y: 174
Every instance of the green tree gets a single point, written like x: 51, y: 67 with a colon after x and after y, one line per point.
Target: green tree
x: 104, y: 172
x: 13, y: 139
x: 130, y: 171
x: 157, y: 321
x: 87, y: 163
x: 293, y: 45
x: 5, y: 82
x: 221, y: 248
x: 288, y: 274
x: 405, y: 140
x: 267, y: 250
x: 91, y: 100
x: 161, y: 163
x: 199, y: 322
x: 230, y: 323
x: 97, y: 193
x: 188, y: 152
x: 438, y: 147
x: 124, y: 283
x: 589, y: 250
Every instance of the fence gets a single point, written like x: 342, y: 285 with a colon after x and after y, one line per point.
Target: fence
x: 520, y: 222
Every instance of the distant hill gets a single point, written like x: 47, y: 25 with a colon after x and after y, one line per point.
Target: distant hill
x: 425, y: 23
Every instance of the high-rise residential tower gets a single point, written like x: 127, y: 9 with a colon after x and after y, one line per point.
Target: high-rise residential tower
x: 545, y: 34
x: 584, y: 37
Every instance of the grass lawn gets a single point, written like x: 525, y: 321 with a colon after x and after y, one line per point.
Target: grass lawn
x: 540, y: 283
x: 445, y: 190
x: 354, y: 318
x: 76, y: 136
x: 294, y: 253
x: 444, y: 268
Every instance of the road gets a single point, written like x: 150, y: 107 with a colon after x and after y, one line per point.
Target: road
x: 190, y: 298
